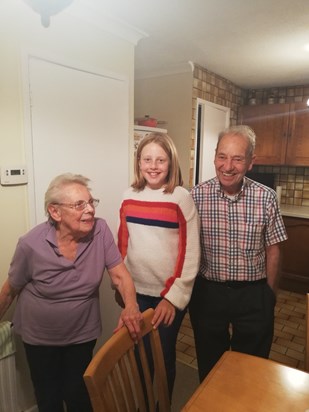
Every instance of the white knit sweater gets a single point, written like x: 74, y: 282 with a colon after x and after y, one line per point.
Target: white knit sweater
x: 159, y: 239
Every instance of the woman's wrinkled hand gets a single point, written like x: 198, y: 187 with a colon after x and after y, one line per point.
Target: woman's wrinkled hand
x: 131, y: 317
x: 164, y: 313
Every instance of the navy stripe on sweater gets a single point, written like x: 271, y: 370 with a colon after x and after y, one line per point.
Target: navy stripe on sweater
x: 152, y: 222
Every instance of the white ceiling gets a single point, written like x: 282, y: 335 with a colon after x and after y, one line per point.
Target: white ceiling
x: 253, y: 43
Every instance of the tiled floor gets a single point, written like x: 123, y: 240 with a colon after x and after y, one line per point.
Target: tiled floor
x: 289, y: 341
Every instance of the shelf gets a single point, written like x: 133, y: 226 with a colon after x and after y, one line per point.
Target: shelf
x: 149, y: 129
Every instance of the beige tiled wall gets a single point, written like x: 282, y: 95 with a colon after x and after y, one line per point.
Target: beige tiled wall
x: 289, y: 94
x: 215, y: 89
x: 294, y: 182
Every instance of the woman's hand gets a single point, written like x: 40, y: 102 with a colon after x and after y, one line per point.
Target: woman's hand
x: 164, y: 313
x: 7, y: 295
x: 131, y: 317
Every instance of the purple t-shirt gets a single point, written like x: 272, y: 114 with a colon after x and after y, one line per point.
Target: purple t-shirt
x: 59, y: 299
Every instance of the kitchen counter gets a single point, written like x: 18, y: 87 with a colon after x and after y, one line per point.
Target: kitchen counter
x: 295, y: 211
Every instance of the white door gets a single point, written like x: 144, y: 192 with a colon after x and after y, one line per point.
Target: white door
x: 79, y: 123
x: 211, y: 120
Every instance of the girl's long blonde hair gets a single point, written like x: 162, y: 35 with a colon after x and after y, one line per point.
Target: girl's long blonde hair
x: 174, y: 177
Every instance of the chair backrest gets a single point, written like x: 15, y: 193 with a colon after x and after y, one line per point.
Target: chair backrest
x: 307, y: 335
x: 113, y: 378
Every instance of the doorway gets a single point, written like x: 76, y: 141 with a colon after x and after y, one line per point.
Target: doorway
x: 211, y: 120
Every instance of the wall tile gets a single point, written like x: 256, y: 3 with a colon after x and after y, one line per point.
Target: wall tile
x: 295, y: 186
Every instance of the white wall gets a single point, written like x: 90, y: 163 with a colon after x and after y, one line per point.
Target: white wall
x: 169, y: 98
x: 68, y: 36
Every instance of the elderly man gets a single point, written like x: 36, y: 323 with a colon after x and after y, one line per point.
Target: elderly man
x: 234, y: 296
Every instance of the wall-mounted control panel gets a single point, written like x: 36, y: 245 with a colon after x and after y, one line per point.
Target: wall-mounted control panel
x: 14, y: 176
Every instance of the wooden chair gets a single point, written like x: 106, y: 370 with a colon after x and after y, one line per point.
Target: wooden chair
x: 307, y: 335
x: 113, y: 379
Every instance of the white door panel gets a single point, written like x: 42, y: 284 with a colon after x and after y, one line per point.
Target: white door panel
x: 213, y: 119
x: 79, y: 125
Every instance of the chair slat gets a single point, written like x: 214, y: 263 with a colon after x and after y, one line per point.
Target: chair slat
x: 128, y: 387
x: 118, y: 392
x: 162, y: 389
x: 109, y: 395
x: 147, y: 376
x: 137, y: 382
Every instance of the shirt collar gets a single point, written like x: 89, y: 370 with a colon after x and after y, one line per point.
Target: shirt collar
x: 245, y: 183
x: 51, y: 236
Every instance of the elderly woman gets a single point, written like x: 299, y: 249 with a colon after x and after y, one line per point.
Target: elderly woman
x: 56, y: 272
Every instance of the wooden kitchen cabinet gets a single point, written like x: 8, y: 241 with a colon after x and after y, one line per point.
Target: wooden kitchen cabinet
x: 270, y: 123
x: 295, y: 256
x: 297, y: 152
x: 282, y: 132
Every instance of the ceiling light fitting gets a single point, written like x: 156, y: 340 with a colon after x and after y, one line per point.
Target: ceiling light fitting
x: 48, y: 8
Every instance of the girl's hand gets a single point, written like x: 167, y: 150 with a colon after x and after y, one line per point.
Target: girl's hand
x: 164, y: 313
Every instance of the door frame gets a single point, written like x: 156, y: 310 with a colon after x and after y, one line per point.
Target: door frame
x: 201, y: 131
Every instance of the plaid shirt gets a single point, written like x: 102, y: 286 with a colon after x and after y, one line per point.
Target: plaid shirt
x: 235, y: 232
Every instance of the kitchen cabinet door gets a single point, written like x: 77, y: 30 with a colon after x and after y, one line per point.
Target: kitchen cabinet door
x: 270, y: 123
x: 294, y: 255
x: 297, y: 153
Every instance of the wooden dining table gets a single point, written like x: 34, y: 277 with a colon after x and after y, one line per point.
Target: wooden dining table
x: 245, y: 383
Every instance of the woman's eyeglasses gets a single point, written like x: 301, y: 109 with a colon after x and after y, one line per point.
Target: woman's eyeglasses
x: 80, y: 204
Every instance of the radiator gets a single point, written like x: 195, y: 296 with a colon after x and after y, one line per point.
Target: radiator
x: 8, y: 388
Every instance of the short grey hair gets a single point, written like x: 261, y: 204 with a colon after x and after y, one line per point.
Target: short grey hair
x: 55, y: 190
x: 240, y: 130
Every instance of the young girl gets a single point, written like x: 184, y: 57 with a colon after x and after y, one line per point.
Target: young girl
x: 159, y: 239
